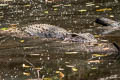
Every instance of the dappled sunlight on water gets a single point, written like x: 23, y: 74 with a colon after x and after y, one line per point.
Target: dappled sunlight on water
x: 36, y: 59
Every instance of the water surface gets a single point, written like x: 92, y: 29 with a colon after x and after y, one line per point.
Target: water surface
x: 32, y: 59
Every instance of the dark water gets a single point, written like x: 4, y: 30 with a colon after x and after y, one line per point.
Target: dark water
x: 31, y: 59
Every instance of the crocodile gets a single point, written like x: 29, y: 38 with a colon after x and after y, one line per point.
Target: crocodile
x: 48, y: 31
x: 87, y: 42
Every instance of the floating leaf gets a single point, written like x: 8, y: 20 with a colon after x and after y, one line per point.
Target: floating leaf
x: 26, y: 74
x: 56, y: 5
x: 57, y: 71
x: 22, y: 41
x: 34, y: 54
x: 55, y: 9
x: 26, y: 66
x: 38, y: 68
x: 94, y: 68
x: 69, y: 66
x: 28, y: 5
x: 94, y: 61
x: 82, y: 10
x: 67, y: 5
x: 46, y: 12
x: 1, y: 16
x: 90, y: 4
x: 3, y: 5
x: 99, y: 55
x: 97, y: 6
x: 67, y: 62
x: 104, y: 40
x: 28, y: 47
x: 61, y: 69
x: 74, y: 69
x: 105, y: 9
x: 4, y: 29
x: 111, y: 15
x: 71, y: 52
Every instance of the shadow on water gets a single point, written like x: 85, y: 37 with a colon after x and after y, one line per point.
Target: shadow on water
x: 35, y: 59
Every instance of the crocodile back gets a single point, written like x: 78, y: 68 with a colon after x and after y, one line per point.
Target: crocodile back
x: 45, y: 31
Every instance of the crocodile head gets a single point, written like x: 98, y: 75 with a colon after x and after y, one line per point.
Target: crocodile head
x: 81, y: 37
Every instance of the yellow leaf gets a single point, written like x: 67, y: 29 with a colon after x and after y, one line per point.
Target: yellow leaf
x: 74, y: 69
x: 38, y: 68
x: 82, y: 10
x: 57, y: 71
x: 22, y: 41
x: 104, y: 40
x: 111, y: 15
x: 105, y: 9
x: 97, y: 6
x: 94, y: 61
x: 55, y: 9
x: 3, y: 5
x: 46, y: 12
x: 67, y: 5
x: 71, y: 52
x: 90, y: 4
x: 3, y: 29
x: 67, y: 62
x: 26, y: 74
x: 25, y: 66
x: 27, y: 5
x: 99, y: 55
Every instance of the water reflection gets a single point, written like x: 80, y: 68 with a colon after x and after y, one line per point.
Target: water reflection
x: 30, y: 60
x: 41, y: 60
